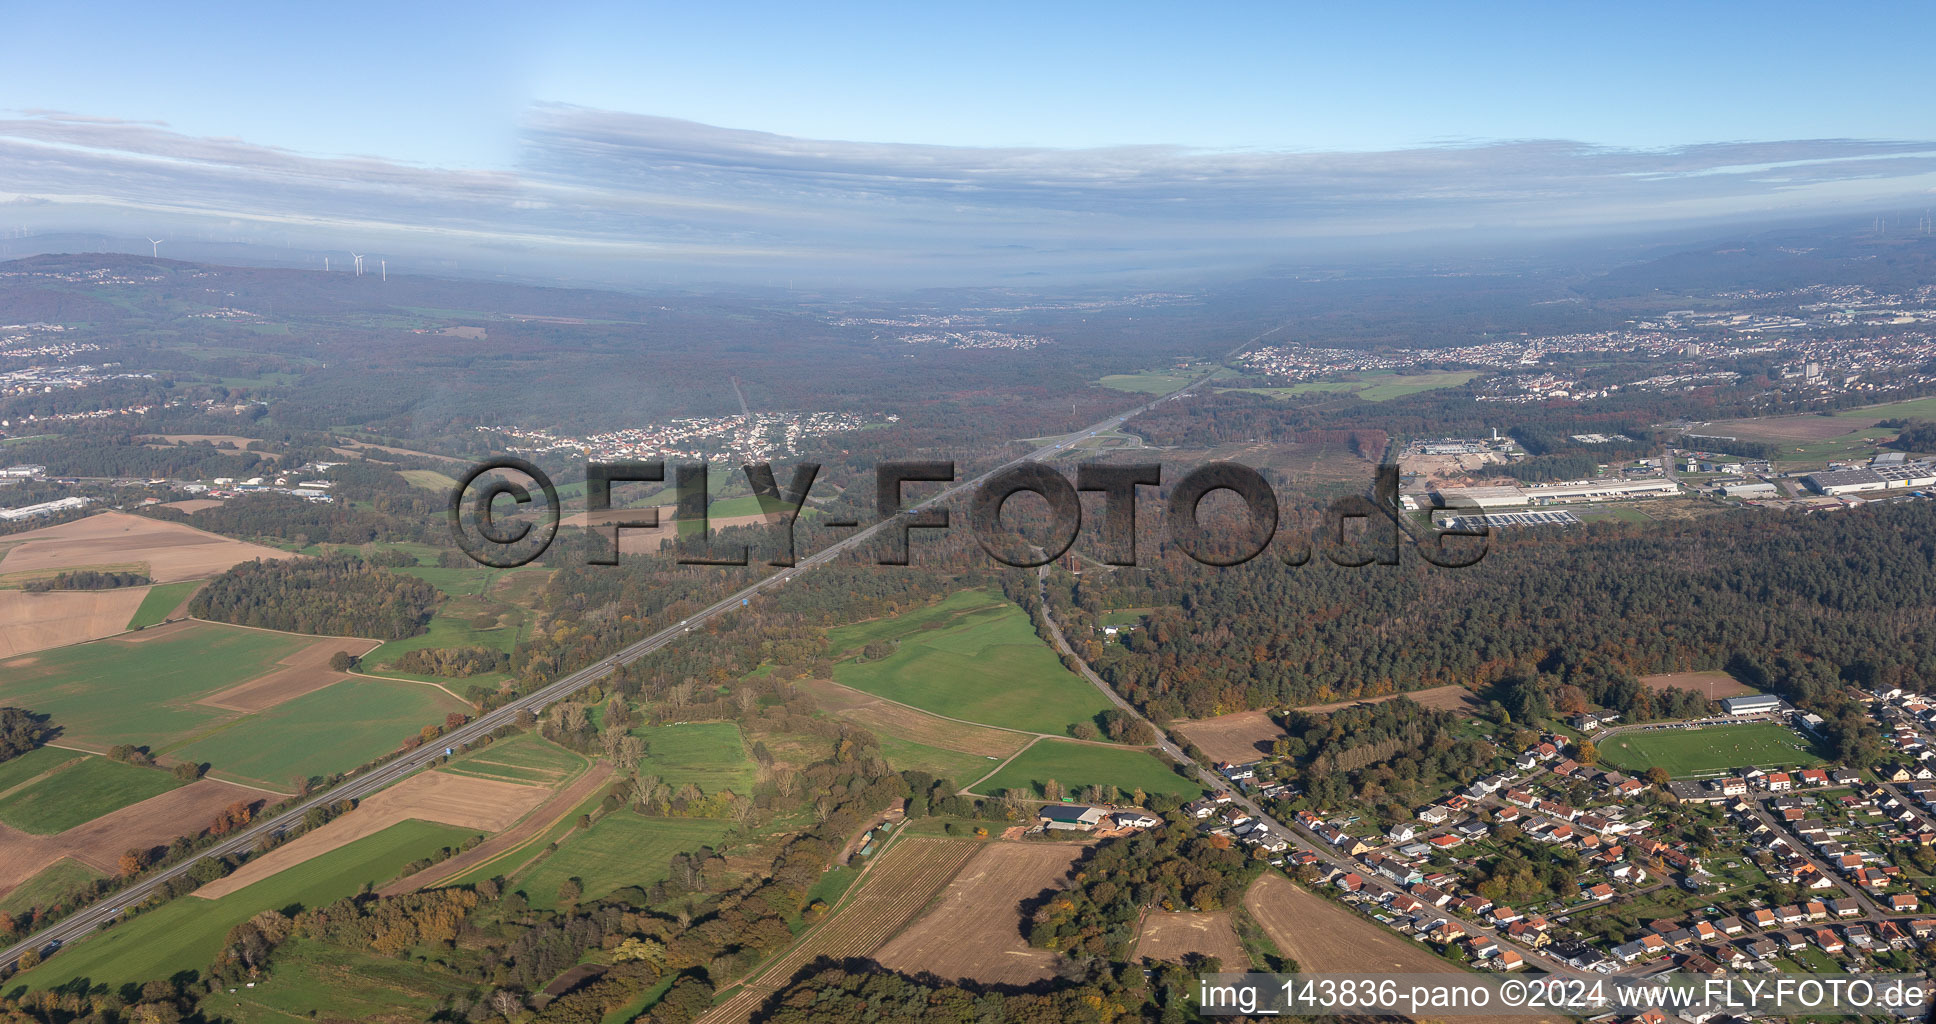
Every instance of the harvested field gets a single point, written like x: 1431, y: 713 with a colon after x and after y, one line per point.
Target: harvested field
x: 893, y: 891
x: 215, y: 439
x: 975, y: 931
x: 1712, y: 685
x: 99, y: 844
x: 190, y: 506
x: 305, y: 671
x: 1243, y: 736
x: 428, y: 796
x: 890, y: 719
x: 1438, y: 698
x: 633, y: 540
x: 546, y: 815
x: 1175, y: 936
x: 1325, y: 938
x: 171, y: 551
x: 36, y: 622
x: 1786, y: 428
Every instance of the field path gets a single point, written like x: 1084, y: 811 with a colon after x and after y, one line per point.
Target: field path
x: 538, y: 822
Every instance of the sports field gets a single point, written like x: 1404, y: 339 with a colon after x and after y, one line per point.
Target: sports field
x: 1710, y: 751
x: 186, y: 933
x: 972, y: 657
x: 328, y: 730
x: 710, y: 755
x: 1075, y: 765
x: 75, y: 789
x: 620, y: 849
x: 161, y: 600
x: 142, y: 688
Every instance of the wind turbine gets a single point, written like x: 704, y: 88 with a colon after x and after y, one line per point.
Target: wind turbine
x: 358, y: 257
x: 383, y: 268
x: 155, y: 246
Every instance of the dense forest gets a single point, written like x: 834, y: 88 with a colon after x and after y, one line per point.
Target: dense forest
x: 1797, y: 604
x: 336, y: 595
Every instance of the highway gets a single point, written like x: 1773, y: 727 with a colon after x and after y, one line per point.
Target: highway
x: 86, y: 921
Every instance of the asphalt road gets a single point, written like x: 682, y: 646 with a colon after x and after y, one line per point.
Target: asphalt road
x: 85, y: 922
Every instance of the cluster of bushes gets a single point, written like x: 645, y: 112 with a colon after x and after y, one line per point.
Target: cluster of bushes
x: 87, y: 579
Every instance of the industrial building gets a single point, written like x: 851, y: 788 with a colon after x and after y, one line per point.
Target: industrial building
x: 1753, y: 704
x: 1602, y: 490
x: 45, y: 508
x: 1751, y: 489
x: 1845, y: 481
x: 1481, y: 497
x: 1609, y: 489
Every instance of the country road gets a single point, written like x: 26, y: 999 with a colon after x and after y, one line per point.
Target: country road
x: 84, y: 922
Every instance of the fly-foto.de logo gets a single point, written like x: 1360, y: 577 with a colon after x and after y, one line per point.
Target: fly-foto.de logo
x: 1353, y: 530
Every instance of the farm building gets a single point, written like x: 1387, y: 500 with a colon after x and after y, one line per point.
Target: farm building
x: 1073, y: 817
x: 1752, y: 704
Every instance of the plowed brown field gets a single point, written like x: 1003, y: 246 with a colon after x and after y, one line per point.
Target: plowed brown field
x: 975, y: 931
x: 37, y: 622
x: 171, y: 551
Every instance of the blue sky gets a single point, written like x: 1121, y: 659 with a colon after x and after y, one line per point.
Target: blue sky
x: 443, y: 83
x: 1353, y: 117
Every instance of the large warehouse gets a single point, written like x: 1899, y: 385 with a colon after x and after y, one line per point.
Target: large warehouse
x: 1845, y: 481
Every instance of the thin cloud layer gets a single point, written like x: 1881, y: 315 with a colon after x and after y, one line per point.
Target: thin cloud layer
x: 618, y: 197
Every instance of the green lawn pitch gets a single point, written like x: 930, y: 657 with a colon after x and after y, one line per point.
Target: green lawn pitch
x: 1710, y: 751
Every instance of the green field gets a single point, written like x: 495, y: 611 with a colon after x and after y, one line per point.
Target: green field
x: 161, y: 600
x: 53, y: 885
x: 1372, y: 385
x: 427, y: 479
x: 619, y: 849
x: 78, y: 790
x: 1153, y: 382
x: 972, y: 657
x: 313, y: 977
x: 1710, y: 751
x: 455, y: 624
x: 333, y: 729
x: 526, y: 757
x: 142, y: 691
x: 1076, y: 765
x: 906, y: 755
x: 186, y: 933
x: 710, y: 755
